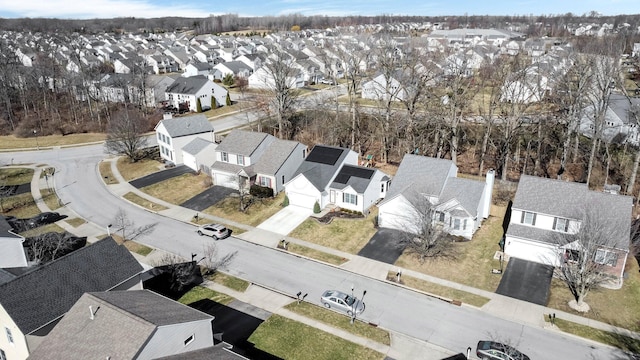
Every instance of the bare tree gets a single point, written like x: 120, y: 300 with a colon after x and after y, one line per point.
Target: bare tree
x: 126, y: 134
x: 425, y: 236
x: 634, y: 115
x: 127, y: 228
x: 178, y: 272
x: 212, y: 261
x: 6, y: 190
x: 47, y: 247
x: 593, y: 245
x: 281, y: 81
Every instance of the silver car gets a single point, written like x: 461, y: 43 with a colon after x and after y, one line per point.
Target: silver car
x: 216, y: 231
x: 342, y: 302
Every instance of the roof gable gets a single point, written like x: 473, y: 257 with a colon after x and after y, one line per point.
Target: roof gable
x: 187, y: 125
x: 243, y: 142
x: 188, y: 85
x: 322, y: 164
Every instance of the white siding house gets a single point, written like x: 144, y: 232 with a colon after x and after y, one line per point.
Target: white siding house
x: 187, y: 91
x: 175, y: 133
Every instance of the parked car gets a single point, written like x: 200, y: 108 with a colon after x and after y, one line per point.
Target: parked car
x: 216, y: 231
x: 328, y: 81
x: 342, y: 302
x: 491, y: 350
x: 44, y: 219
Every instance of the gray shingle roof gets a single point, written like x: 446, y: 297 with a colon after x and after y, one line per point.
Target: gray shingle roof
x: 426, y: 173
x: 44, y: 294
x: 467, y: 192
x: 275, y: 156
x: 196, y: 145
x: 187, y: 85
x: 123, y: 323
x: 358, y: 177
x: 319, y: 174
x: 187, y: 125
x: 243, y: 142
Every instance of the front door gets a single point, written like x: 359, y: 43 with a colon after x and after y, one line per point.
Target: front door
x: 332, y: 196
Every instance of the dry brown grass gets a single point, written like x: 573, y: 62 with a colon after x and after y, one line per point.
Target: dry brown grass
x: 439, y: 290
x: 75, y: 222
x: 259, y: 211
x: 178, y: 189
x: 475, y: 261
x: 348, y: 235
x: 50, y: 198
x: 133, y: 170
x: 21, y: 206
x: 106, y: 173
x: 137, y: 199
x: 43, y: 230
x: 16, y: 176
x: 12, y: 142
x: 316, y: 254
x: 132, y: 245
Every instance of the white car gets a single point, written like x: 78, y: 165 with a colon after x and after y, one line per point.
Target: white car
x: 341, y: 301
x: 216, y: 231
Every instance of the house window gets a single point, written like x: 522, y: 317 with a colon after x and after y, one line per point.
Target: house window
x: 159, y: 137
x: 240, y: 160
x: 350, y: 198
x: 560, y: 224
x: 225, y: 157
x: 382, y: 187
x: 439, y: 216
x: 606, y: 257
x: 528, y: 218
x: 168, y: 141
x: 3, y: 356
x: 265, y: 181
x: 464, y: 224
x: 456, y: 224
x: 283, y: 179
x: 9, y: 336
x: 189, y: 340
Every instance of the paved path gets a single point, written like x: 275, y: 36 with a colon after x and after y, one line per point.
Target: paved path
x: 401, y: 347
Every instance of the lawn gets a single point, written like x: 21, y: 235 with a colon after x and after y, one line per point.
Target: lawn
x: 137, y: 199
x: 43, y: 230
x: 21, y: 206
x: 289, y: 339
x: 258, y: 212
x: 133, y: 170
x: 609, y: 338
x: 198, y: 293
x: 133, y: 246
x: 616, y: 307
x: 178, y: 189
x: 229, y: 281
x: 340, y: 321
x: 12, y: 142
x: 106, y: 173
x: 316, y: 254
x: 475, y: 261
x: 75, y: 222
x: 15, y: 176
x: 50, y: 198
x: 348, y: 235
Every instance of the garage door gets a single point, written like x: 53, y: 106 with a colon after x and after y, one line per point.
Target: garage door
x: 226, y: 180
x: 302, y: 200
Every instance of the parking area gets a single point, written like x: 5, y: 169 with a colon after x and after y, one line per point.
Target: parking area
x: 383, y: 246
x: 209, y: 197
x: 526, y: 280
x: 160, y: 176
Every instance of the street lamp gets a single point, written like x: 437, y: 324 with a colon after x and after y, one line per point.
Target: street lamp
x: 35, y: 132
x: 353, y: 308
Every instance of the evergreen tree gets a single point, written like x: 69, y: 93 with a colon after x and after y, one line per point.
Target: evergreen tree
x: 228, y: 99
x: 198, y: 106
x: 214, y: 104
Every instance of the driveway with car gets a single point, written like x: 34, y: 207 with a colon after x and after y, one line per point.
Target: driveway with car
x: 383, y: 246
x: 159, y: 176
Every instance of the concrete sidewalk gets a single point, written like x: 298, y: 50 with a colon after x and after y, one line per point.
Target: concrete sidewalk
x: 401, y: 346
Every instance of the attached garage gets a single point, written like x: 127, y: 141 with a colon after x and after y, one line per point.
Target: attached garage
x: 225, y: 179
x: 302, y: 193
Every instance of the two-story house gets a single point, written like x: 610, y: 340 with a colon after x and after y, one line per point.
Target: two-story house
x: 187, y: 91
x: 244, y: 158
x: 544, y: 208
x: 33, y: 303
x: 424, y: 185
x: 174, y: 133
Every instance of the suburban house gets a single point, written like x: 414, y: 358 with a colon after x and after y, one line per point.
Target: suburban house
x: 187, y: 91
x: 174, y: 133
x: 235, y: 68
x: 244, y: 158
x: 31, y: 304
x: 311, y: 181
x: 263, y: 79
x: 197, y: 68
x: 199, y: 154
x: 357, y: 188
x: 424, y: 187
x: 620, y: 120
x: 12, y: 252
x: 383, y: 88
x: 137, y: 324
x: 544, y: 208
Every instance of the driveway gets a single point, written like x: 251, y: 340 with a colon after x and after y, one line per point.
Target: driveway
x: 160, y: 176
x: 383, y: 246
x: 286, y: 220
x: 526, y: 280
x: 209, y: 197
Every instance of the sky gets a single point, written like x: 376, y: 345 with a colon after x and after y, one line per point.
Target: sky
x: 88, y: 9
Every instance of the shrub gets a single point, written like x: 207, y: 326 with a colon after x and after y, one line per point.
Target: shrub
x: 198, y: 106
x: 285, y: 202
x: 261, y: 191
x: 228, y: 100
x: 316, y: 208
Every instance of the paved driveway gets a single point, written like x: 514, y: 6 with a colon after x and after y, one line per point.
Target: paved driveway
x: 526, y: 280
x: 209, y: 197
x: 383, y: 246
x: 160, y: 176
x: 286, y: 220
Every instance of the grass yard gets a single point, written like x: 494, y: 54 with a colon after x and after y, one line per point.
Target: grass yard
x: 43, y: 230
x: 15, y: 176
x: 289, y: 339
x: 12, y: 142
x: 609, y: 338
x: 229, y: 281
x: 21, y: 206
x: 75, y: 222
x: 198, y: 293
x: 106, y: 173
x: 439, y: 290
x: 616, y: 307
x: 50, y: 198
x: 340, y: 321
x: 137, y: 199
x: 133, y: 246
x: 133, y: 170
x: 259, y: 211
x: 475, y: 261
x: 348, y: 235
x: 178, y: 189
x: 316, y: 254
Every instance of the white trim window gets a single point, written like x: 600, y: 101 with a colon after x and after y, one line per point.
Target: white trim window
x: 241, y: 160
x: 528, y: 218
x: 560, y: 224
x: 606, y: 257
x: 265, y: 181
x: 224, y: 156
x: 350, y: 198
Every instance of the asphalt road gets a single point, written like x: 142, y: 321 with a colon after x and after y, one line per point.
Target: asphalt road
x: 79, y: 186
